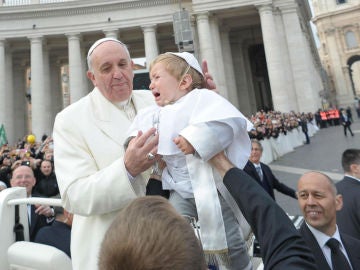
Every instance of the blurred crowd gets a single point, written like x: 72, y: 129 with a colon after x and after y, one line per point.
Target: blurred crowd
x: 38, y: 156
x: 273, y: 123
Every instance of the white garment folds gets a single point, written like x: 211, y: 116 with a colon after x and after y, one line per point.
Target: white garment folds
x: 211, y: 124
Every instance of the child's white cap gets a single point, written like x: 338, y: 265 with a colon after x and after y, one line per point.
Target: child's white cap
x: 102, y: 40
x: 190, y: 59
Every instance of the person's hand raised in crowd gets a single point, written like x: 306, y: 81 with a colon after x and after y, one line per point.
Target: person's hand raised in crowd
x: 36, y: 163
x: 184, y: 145
x: 140, y: 151
x: 16, y: 164
x: 48, y: 144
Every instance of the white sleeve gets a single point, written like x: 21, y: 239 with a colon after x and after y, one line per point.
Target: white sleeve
x: 208, y: 138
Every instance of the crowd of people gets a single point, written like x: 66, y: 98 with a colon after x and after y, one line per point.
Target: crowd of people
x: 39, y: 155
x: 36, y: 155
x: 271, y: 124
x: 98, y: 180
x: 30, y: 164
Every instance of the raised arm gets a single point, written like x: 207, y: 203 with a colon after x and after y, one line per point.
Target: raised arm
x: 281, y: 245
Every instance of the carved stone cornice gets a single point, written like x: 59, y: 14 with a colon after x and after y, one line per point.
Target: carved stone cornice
x: 330, y: 31
x: 75, y: 8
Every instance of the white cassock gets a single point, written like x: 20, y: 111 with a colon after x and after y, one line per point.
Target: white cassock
x: 89, y: 137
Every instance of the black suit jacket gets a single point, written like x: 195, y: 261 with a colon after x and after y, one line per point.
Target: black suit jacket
x: 351, y: 245
x: 57, y: 235
x: 154, y: 187
x: 348, y: 218
x: 282, y: 247
x: 269, y: 180
x: 36, y: 223
x: 343, y: 122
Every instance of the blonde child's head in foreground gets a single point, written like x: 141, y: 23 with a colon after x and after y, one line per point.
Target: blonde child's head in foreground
x: 173, y: 75
x: 149, y: 234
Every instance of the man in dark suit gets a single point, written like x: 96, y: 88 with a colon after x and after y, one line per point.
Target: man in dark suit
x: 59, y: 233
x: 346, y: 122
x: 349, y: 187
x: 39, y: 215
x: 318, y: 201
x: 281, y: 245
x: 263, y: 174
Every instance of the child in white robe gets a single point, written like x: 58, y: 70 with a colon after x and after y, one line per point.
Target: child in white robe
x: 194, y: 125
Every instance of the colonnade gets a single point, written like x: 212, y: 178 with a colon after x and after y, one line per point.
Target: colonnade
x: 290, y: 64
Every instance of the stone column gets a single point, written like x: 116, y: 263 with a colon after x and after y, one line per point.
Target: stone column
x: 229, y: 68
x: 248, y: 98
x: 4, y: 117
x: 301, y: 64
x: 220, y: 64
x: 151, y: 46
x: 195, y: 38
x: 111, y: 33
x: 20, y: 117
x: 56, y: 88
x: 343, y: 87
x: 274, y: 59
x: 207, y: 50
x: 48, y: 105
x: 87, y: 83
x: 10, y: 130
x: 286, y: 61
x: 38, y: 115
x: 7, y: 91
x: 76, y: 72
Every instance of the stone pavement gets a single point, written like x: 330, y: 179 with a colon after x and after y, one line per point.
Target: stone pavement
x: 322, y: 154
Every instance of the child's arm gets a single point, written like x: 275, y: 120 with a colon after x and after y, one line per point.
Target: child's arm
x: 204, y: 139
x: 184, y: 145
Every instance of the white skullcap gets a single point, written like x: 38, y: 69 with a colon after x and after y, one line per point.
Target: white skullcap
x: 190, y: 59
x: 102, y: 40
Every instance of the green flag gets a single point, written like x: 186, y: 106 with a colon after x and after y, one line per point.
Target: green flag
x: 3, y: 139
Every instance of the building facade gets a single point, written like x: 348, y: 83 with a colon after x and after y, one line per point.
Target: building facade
x: 338, y: 26
x: 261, y: 53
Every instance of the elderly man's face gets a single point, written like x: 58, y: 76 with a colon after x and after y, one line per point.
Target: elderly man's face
x: 23, y: 176
x: 112, y: 71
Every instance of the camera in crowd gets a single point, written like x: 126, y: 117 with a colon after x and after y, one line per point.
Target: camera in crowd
x: 25, y: 163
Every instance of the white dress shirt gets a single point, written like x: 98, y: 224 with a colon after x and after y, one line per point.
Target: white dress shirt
x: 322, y: 238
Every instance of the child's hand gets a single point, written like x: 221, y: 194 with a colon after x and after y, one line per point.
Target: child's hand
x: 184, y: 145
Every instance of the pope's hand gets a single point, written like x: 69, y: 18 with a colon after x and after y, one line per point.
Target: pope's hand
x: 136, y: 158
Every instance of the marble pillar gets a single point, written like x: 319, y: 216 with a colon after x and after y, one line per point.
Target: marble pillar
x: 151, y: 46
x: 76, y: 72
x: 274, y: 59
